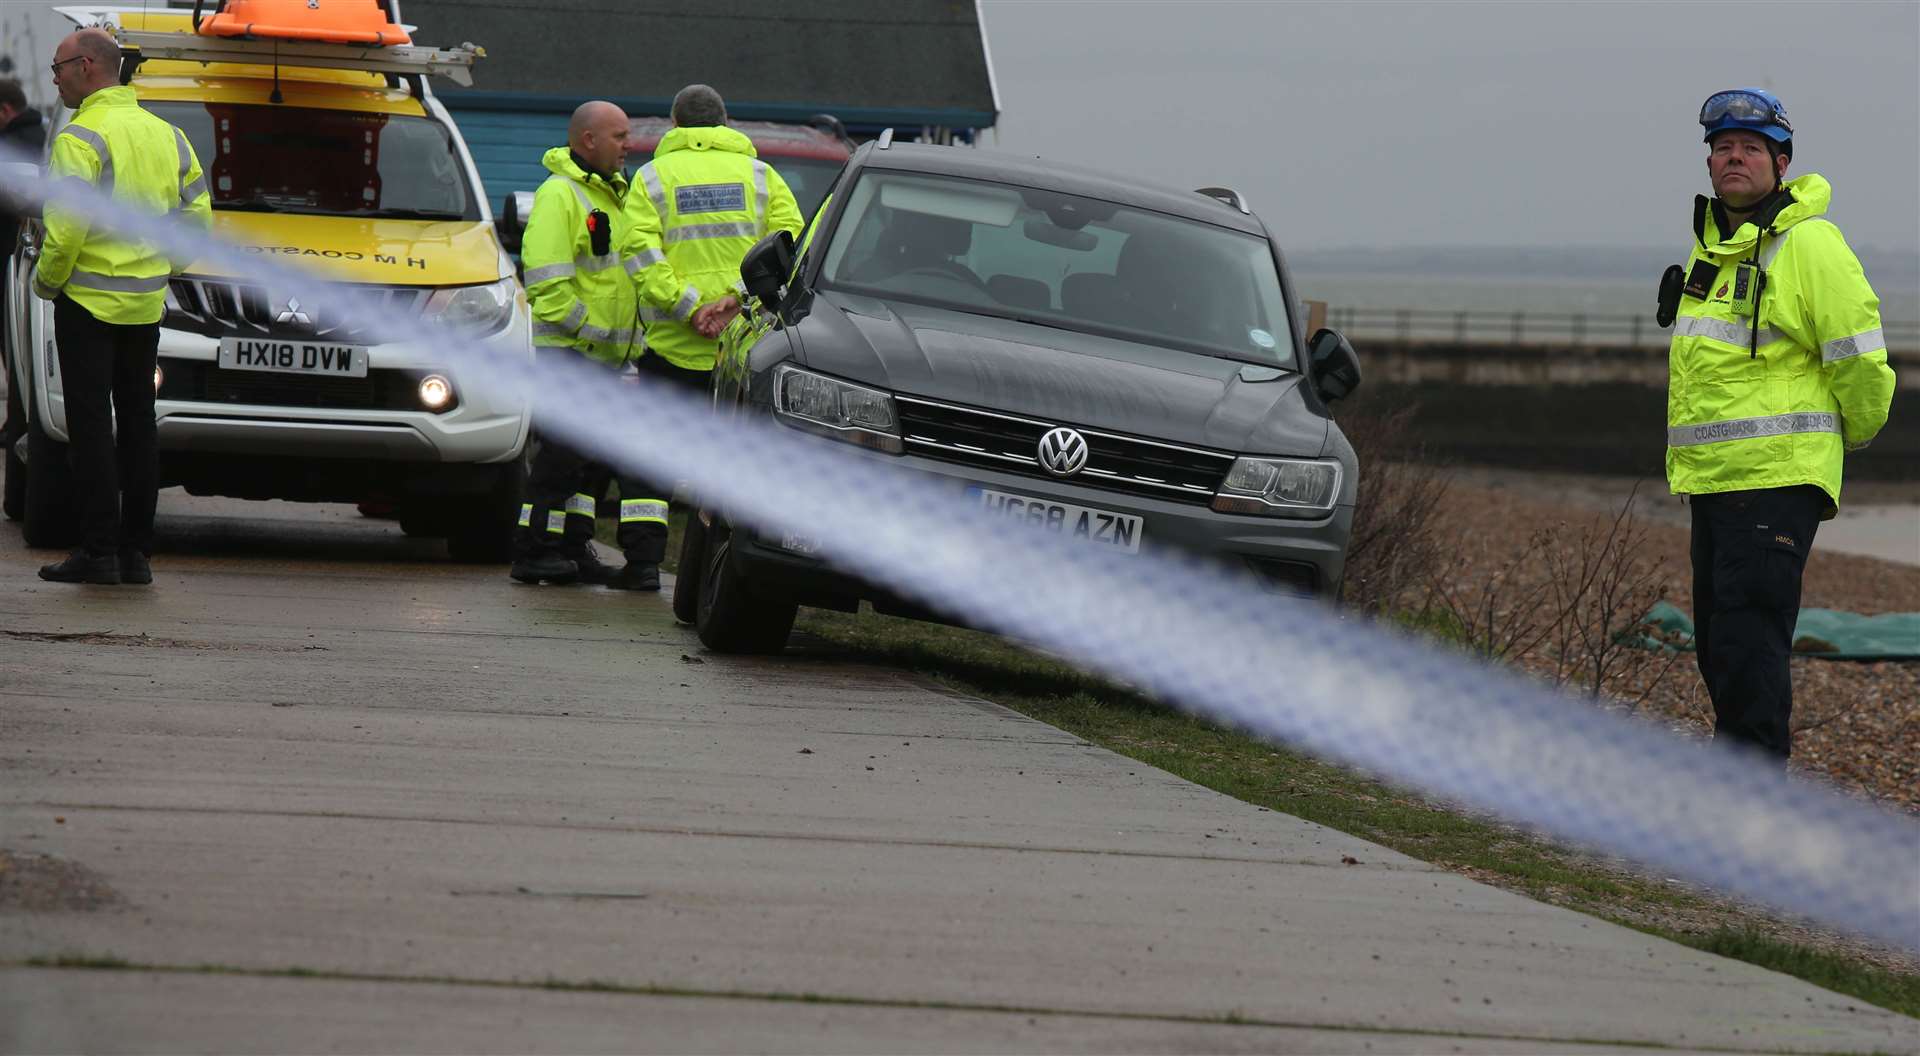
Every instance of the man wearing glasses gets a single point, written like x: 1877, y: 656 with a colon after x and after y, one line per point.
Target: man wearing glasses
x: 108, y: 295
x: 1778, y: 367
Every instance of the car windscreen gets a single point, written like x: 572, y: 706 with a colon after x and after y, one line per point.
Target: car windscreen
x: 807, y: 178
x: 282, y: 159
x: 1061, y: 260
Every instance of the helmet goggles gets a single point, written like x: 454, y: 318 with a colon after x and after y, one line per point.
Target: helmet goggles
x: 1746, y: 108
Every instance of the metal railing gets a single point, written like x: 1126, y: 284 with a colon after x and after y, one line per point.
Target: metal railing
x: 1520, y: 329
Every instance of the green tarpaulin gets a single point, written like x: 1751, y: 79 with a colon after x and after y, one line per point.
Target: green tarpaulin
x: 1822, y: 633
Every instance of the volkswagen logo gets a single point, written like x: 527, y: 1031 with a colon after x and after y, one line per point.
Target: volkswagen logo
x: 1063, y: 452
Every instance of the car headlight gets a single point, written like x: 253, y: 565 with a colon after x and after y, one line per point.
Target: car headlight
x: 1279, y: 487
x: 473, y: 311
x: 837, y: 409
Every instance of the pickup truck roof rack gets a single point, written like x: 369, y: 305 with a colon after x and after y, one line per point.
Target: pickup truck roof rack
x: 1227, y: 195
x: 409, y: 61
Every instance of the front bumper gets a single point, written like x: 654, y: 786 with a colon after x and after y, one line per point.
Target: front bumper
x: 1297, y: 557
x: 476, y: 430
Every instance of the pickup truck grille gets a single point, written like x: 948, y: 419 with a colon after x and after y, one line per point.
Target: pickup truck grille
x: 199, y: 381
x: 225, y: 307
x: 1132, y: 465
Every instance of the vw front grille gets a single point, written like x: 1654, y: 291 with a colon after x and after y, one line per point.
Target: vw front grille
x: 1127, y: 464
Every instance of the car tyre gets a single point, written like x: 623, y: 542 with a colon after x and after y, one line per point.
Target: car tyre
x: 52, y: 515
x: 732, y: 617
x: 481, y: 530
x: 688, y: 576
x: 15, y: 501
x: 15, y: 504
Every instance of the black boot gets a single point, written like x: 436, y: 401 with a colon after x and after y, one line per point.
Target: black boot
x: 544, y: 565
x: 134, y: 567
x: 82, y: 567
x: 592, y: 569
x: 637, y: 575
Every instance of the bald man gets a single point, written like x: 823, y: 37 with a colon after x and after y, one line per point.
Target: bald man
x: 584, y: 305
x: 108, y: 295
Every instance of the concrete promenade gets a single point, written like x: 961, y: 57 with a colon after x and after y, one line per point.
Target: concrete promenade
x: 391, y: 798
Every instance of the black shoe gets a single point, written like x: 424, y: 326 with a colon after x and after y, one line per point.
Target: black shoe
x: 551, y: 568
x: 593, y: 570
x: 637, y: 575
x: 82, y: 567
x: 134, y: 568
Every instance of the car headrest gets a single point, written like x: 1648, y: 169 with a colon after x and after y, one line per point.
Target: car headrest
x: 920, y: 232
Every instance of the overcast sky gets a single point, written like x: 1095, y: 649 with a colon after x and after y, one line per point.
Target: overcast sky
x: 1436, y: 123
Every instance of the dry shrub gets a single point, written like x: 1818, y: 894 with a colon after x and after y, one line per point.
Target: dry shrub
x: 1394, y: 553
x: 1569, y: 606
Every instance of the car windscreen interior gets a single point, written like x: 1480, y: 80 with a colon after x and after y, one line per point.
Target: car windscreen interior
x: 1062, y: 260
x: 332, y: 162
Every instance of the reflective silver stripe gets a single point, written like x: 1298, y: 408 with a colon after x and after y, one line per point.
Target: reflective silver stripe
x: 542, y: 328
x: 655, y: 315
x: 582, y: 504
x: 644, y: 259
x: 548, y: 272
x: 580, y: 193
x: 604, y: 335
x: 526, y: 514
x: 118, y: 284
x: 632, y: 510
x: 1874, y: 340
x: 694, y: 232
x: 557, y: 522
x: 759, y: 198
x: 683, y: 308
x: 1773, y: 250
x: 599, y: 263
x: 191, y: 192
x: 1733, y: 333
x: 1749, y: 428
x: 651, y: 181
x: 99, y: 144
x: 186, y: 164
x: 576, y: 317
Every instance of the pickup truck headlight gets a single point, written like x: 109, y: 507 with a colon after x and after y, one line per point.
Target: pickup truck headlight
x: 837, y: 409
x: 1279, y: 487
x: 473, y: 311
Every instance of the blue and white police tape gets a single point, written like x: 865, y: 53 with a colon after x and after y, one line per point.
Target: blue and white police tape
x: 1290, y: 670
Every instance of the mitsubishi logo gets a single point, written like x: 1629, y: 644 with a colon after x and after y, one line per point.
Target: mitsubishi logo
x: 1063, y: 452
x: 293, y: 314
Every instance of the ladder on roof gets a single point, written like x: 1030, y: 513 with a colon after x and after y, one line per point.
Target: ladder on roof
x: 455, y: 64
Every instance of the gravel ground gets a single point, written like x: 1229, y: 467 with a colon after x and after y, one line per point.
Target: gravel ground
x: 1856, y: 724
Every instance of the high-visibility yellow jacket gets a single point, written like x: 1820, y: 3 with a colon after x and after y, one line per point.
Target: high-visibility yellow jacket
x: 1741, y: 416
x: 143, y: 163
x: 581, y: 299
x: 707, y: 200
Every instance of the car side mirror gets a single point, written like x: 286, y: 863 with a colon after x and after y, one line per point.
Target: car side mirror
x: 765, y: 268
x: 1336, y: 369
x: 19, y: 172
x: 512, y: 223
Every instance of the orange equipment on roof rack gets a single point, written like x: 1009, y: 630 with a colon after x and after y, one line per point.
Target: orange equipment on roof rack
x: 328, y: 21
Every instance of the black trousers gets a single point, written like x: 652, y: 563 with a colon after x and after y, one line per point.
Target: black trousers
x: 1749, y: 551
x: 106, y: 375
x: 564, y: 488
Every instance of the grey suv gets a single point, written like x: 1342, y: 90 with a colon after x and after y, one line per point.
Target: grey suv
x: 1101, y: 358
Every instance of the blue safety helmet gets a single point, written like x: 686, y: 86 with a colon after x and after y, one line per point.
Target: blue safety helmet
x: 1751, y: 110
